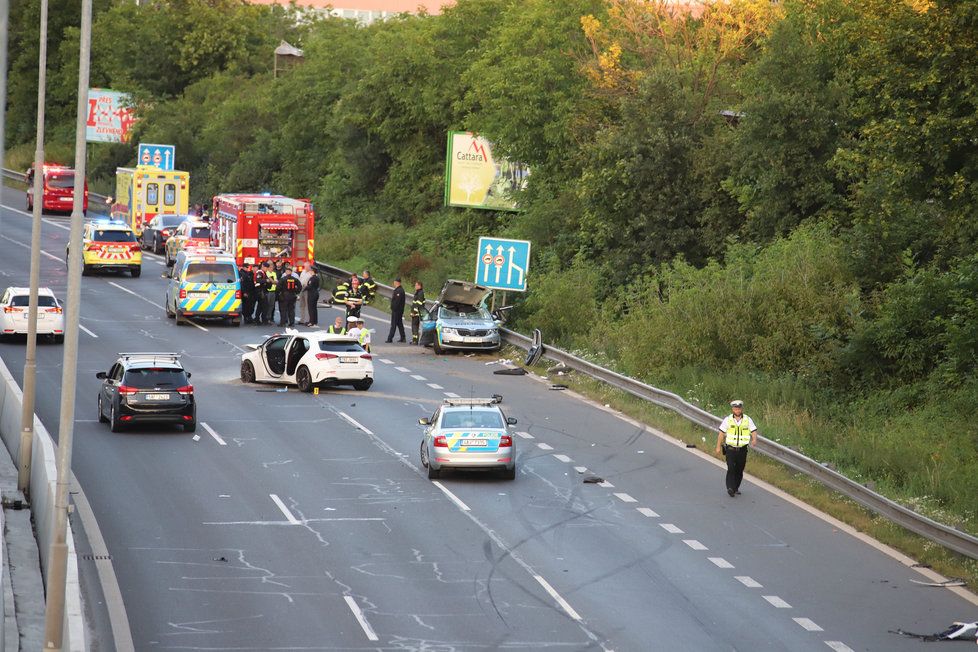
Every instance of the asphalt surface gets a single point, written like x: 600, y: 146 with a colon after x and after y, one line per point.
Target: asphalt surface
x: 294, y: 521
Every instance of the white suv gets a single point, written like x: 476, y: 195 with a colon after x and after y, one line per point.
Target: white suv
x: 307, y: 360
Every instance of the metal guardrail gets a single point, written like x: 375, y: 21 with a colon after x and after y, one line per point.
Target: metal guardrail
x: 951, y: 538
x: 14, y: 175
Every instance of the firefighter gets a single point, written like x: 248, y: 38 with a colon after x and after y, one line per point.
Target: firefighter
x: 417, y: 305
x: 287, y: 294
x: 261, y: 293
x: 272, y: 290
x: 368, y: 286
x: 341, y: 292
x: 248, y: 294
x: 354, y: 298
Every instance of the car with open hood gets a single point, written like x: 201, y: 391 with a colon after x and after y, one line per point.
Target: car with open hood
x: 459, y: 320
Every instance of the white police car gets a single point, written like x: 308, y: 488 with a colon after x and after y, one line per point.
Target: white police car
x: 469, y: 433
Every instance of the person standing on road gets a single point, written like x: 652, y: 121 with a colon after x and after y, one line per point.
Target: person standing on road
x: 247, y: 277
x: 287, y: 294
x: 312, y: 299
x: 338, y: 327
x: 368, y: 287
x: 364, y: 335
x: 352, y: 329
x: 305, y: 273
x: 272, y: 291
x: 737, y: 433
x: 417, y: 305
x: 261, y: 293
x: 398, y: 299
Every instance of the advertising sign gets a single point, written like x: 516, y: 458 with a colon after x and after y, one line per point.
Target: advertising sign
x: 502, y: 264
x: 110, y: 117
x: 474, y: 178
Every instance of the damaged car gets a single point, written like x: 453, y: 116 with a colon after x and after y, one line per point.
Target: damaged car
x: 460, y: 321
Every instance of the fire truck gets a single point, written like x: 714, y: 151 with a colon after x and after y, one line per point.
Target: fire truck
x: 143, y: 192
x: 256, y: 228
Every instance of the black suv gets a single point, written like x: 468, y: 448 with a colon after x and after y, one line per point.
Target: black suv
x: 147, y: 388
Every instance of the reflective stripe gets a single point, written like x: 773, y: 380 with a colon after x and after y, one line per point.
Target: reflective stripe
x: 738, y: 434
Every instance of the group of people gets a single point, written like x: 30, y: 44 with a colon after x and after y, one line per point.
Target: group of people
x: 352, y: 326
x: 265, y: 286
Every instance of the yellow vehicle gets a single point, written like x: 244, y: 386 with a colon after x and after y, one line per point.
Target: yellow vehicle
x: 143, y: 192
x: 108, y: 244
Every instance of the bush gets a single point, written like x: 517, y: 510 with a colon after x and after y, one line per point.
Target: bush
x: 562, y: 305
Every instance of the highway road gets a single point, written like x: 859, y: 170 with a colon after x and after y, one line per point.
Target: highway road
x: 301, y: 522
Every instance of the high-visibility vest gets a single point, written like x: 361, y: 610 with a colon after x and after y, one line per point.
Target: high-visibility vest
x: 332, y: 330
x: 272, y: 280
x: 363, y: 336
x: 738, y: 434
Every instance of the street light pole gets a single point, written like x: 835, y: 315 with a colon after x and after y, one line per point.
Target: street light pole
x: 54, y: 616
x: 30, y: 360
x: 4, y: 21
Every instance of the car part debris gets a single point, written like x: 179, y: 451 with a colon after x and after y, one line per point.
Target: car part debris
x: 511, y: 371
x: 954, y: 581
x: 690, y: 445
x: 593, y: 479
x: 534, y: 354
x: 956, y: 632
x: 273, y: 389
x: 558, y: 386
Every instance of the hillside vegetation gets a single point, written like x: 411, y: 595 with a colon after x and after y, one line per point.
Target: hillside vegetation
x: 768, y: 201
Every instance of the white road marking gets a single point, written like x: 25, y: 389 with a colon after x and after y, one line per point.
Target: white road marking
x: 670, y: 528
x: 417, y: 377
x: 150, y: 302
x: 285, y: 510
x: 403, y: 370
x: 546, y: 447
x: 720, y: 562
x: 749, y: 582
x: 556, y: 596
x: 580, y: 469
x: 625, y: 498
x: 524, y: 435
x: 435, y: 386
x: 455, y: 499
x: 694, y: 544
x: 358, y: 614
x: 213, y: 434
x: 88, y: 331
x: 777, y: 602
x: 808, y: 624
x: 386, y: 361
x: 452, y: 395
x: 51, y: 256
x: 562, y: 458
x: 606, y: 485
x: 196, y: 437
x: 156, y: 258
x: 27, y: 246
x: 647, y: 512
x: 56, y: 224
x: 838, y: 646
x: 356, y: 424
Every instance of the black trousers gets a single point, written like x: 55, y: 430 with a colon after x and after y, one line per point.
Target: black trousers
x: 286, y: 309
x: 415, y: 328
x: 312, y: 299
x: 261, y: 307
x: 247, y: 306
x: 736, y: 461
x: 397, y: 323
x: 269, y: 316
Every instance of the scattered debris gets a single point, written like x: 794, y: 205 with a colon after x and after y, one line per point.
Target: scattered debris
x: 954, y: 581
x: 513, y: 371
x: 690, y: 445
x: 500, y: 360
x: 273, y: 389
x: 558, y: 386
x: 224, y: 559
x: 920, y: 566
x: 956, y: 632
x: 534, y: 354
x: 593, y: 479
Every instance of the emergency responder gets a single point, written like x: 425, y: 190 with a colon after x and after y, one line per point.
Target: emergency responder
x: 737, y: 433
x: 417, y: 305
x: 351, y: 327
x: 305, y: 272
x: 338, y: 327
x: 398, y: 300
x: 354, y: 298
x: 261, y: 293
x: 247, y: 276
x: 364, y: 335
x: 288, y: 292
x: 312, y: 298
x: 341, y: 292
x: 272, y: 291
x: 368, y: 287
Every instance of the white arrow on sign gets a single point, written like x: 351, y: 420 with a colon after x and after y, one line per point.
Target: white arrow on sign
x: 512, y: 266
x: 485, y: 270
x: 166, y: 157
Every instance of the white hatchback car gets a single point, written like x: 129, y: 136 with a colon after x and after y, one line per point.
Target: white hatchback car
x: 307, y: 360
x: 14, y: 312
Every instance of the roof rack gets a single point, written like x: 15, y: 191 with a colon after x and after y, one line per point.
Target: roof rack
x: 492, y: 400
x: 151, y: 357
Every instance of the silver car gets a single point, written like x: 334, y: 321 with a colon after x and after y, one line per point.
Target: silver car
x: 459, y: 320
x: 468, y: 433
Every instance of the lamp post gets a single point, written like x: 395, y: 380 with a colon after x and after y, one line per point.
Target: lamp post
x: 4, y: 14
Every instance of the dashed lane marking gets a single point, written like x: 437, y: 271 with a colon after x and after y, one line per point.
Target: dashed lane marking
x: 808, y: 624
x: 356, y: 424
x: 386, y: 361
x: 647, y: 512
x: 562, y: 458
x: 358, y: 614
x: 556, y: 596
x: 777, y: 602
x: 417, y: 377
x: 455, y: 499
x: 546, y: 447
x: 285, y: 510
x: 580, y: 469
x: 213, y: 434
x: 720, y: 562
x: 625, y: 498
x: 838, y: 646
x: 606, y: 485
x: 435, y: 386
x: 749, y: 582
x: 451, y: 395
x: 670, y: 528
x: 525, y: 435
x: 152, y: 303
x: 88, y: 331
x: 403, y: 370
x: 694, y: 544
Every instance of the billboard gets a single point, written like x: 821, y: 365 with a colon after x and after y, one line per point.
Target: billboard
x: 474, y: 178
x: 110, y: 116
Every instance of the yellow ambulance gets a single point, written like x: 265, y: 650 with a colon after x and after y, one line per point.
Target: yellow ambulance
x: 145, y: 191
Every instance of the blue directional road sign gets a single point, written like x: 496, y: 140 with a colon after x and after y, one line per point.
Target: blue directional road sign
x: 502, y: 264
x: 162, y: 156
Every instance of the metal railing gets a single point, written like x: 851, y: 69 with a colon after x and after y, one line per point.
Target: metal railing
x: 93, y: 197
x: 949, y: 537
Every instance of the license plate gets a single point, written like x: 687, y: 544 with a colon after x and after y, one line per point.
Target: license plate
x: 474, y: 442
x: 157, y: 397
x: 348, y: 358
x: 199, y: 295
x: 116, y: 250
x: 472, y: 339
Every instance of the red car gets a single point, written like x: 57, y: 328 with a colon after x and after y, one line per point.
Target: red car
x: 57, y: 189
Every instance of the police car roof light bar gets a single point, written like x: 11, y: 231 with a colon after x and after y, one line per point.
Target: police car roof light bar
x: 493, y: 400
x: 150, y: 356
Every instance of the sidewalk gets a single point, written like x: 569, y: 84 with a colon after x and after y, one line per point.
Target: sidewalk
x: 23, y: 588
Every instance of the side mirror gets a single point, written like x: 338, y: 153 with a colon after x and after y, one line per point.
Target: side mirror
x: 189, y: 374
x: 510, y: 421
x: 100, y: 374
x: 424, y: 421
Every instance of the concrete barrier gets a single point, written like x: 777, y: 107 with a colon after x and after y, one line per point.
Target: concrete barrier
x: 44, y: 476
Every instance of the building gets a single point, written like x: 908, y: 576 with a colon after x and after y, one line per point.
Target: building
x: 367, y: 11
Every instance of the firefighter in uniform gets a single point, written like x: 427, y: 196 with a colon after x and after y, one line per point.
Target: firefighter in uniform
x: 261, y: 293
x: 736, y: 435
x: 271, y: 291
x: 354, y: 298
x: 247, y: 276
x: 417, y: 305
x: 341, y: 292
x: 287, y: 294
x: 368, y: 287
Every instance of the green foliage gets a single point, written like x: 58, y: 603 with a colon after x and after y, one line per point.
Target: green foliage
x: 563, y: 304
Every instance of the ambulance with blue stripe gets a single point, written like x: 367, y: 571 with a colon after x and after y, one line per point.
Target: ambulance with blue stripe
x: 204, y: 283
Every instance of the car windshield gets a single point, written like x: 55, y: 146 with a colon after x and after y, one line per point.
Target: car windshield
x: 200, y: 232
x: 461, y: 311
x: 113, y: 235
x: 171, y: 220
x: 472, y: 419
x: 149, y: 377
x: 210, y: 273
x: 61, y: 181
x: 42, y: 301
x: 340, y: 347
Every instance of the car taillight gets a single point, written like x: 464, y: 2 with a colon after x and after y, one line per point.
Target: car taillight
x: 186, y: 390
x: 183, y: 293
x: 55, y: 310
x: 92, y: 247
x: 237, y: 294
x: 441, y: 442
x: 135, y: 246
x: 326, y: 356
x: 165, y: 232
x: 366, y: 356
x: 505, y: 441
x: 12, y: 309
x: 125, y: 390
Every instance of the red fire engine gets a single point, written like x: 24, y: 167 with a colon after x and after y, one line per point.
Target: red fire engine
x: 256, y: 228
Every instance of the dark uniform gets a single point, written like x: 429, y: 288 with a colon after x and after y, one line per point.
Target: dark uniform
x: 368, y: 287
x: 354, y: 301
x: 312, y: 297
x: 398, y: 299
x: 417, y: 305
x: 261, y: 295
x: 288, y: 292
x: 269, y: 317
x: 341, y: 292
x: 248, y: 297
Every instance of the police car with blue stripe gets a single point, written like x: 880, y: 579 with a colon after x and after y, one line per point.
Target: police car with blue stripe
x: 203, y: 283
x: 468, y: 433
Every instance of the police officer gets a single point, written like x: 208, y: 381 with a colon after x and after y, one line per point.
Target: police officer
x: 368, y: 287
x: 364, y: 335
x: 261, y: 293
x: 417, y: 305
x: 271, y: 291
x: 338, y: 327
x: 247, y: 276
x: 312, y: 299
x: 737, y: 433
x: 398, y: 300
x: 288, y: 292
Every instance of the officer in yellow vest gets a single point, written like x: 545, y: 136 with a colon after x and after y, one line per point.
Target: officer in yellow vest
x: 737, y: 433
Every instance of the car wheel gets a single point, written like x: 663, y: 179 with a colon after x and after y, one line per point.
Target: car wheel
x: 362, y: 385
x: 303, y: 379
x: 101, y: 413
x: 426, y: 463
x: 169, y: 313
x: 247, y: 372
x: 436, y: 346
x: 114, y: 424
x: 135, y: 271
x: 509, y: 474
x: 166, y: 258
x: 190, y: 426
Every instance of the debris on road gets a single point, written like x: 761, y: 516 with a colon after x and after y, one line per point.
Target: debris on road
x: 593, y: 479
x: 510, y: 371
x: 956, y: 632
x: 558, y: 386
x: 954, y: 581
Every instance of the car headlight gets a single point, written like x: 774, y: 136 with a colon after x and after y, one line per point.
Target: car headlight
x: 449, y: 331
x: 494, y: 331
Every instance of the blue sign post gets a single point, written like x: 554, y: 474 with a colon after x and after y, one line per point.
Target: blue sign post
x: 162, y: 156
x: 502, y: 264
